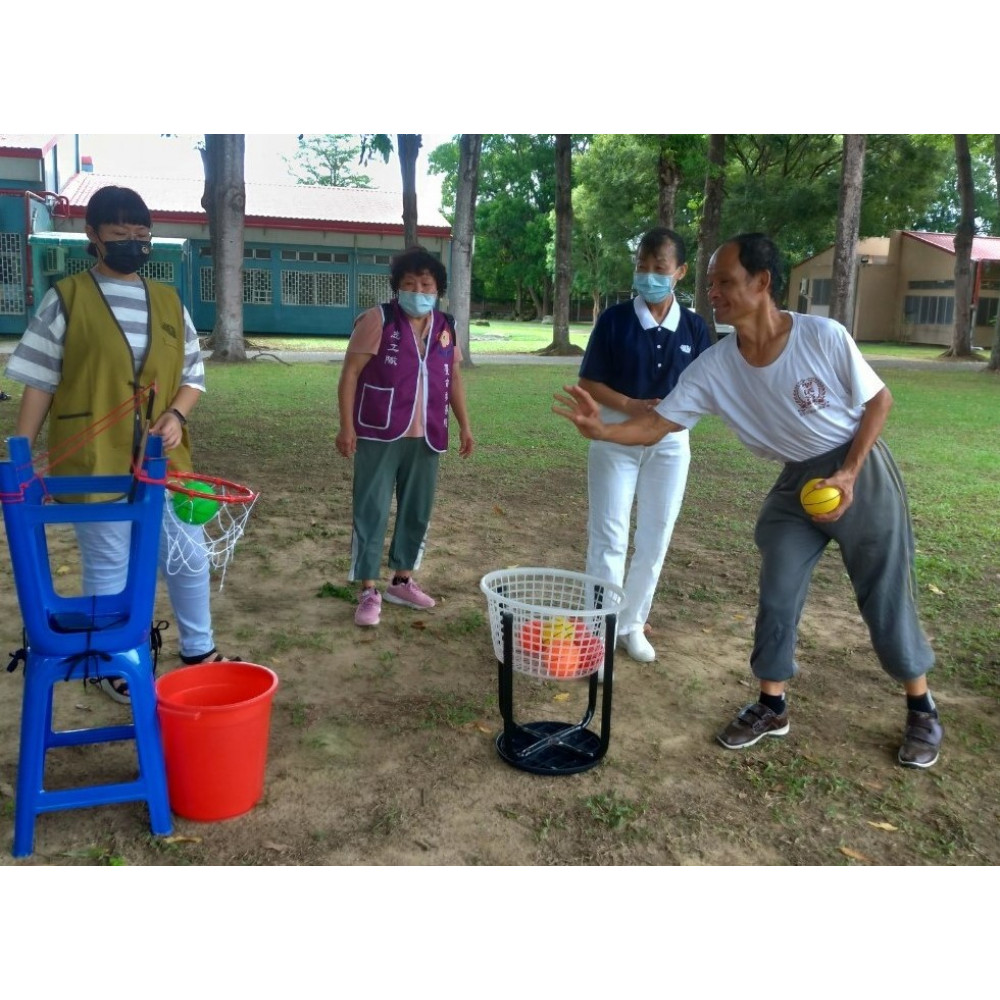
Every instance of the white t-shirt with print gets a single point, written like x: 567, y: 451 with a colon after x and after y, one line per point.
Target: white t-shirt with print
x: 808, y: 401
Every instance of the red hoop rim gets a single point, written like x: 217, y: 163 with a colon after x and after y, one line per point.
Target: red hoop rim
x: 224, y: 491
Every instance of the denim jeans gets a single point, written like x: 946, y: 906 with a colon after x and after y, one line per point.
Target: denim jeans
x: 104, y: 551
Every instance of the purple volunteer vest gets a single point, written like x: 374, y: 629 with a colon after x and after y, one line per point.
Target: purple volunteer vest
x: 386, y: 399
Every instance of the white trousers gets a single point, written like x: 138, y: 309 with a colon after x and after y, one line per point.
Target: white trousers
x: 653, y: 478
x: 104, y: 552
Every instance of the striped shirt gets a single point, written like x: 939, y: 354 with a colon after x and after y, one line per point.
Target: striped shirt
x: 37, y: 359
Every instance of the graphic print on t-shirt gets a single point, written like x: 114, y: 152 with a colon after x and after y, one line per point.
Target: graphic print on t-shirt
x: 810, y: 395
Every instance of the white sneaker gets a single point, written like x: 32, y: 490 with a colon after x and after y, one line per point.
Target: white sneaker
x: 637, y: 646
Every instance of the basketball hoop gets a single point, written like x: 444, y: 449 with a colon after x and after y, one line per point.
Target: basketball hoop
x: 204, y: 518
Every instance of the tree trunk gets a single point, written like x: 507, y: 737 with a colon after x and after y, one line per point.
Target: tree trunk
x: 596, y: 296
x: 961, y: 341
x: 994, y: 362
x: 224, y: 202
x: 408, y: 147
x: 852, y: 174
x: 669, y: 175
x: 463, y: 235
x: 536, y: 302
x: 708, y: 231
x: 564, y: 246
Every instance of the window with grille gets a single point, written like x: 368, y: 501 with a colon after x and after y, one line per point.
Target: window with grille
x: 373, y: 289
x: 256, y: 286
x: 158, y: 270
x: 375, y: 258
x: 11, y: 275
x: 206, y: 284
x: 155, y: 270
x: 309, y: 288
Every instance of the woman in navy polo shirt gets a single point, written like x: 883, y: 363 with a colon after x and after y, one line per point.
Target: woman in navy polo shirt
x: 634, y: 357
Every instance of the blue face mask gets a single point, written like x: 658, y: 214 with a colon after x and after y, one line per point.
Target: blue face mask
x: 652, y: 287
x: 416, y: 304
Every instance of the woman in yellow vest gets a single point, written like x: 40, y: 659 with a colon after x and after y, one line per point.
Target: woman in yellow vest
x: 97, y: 337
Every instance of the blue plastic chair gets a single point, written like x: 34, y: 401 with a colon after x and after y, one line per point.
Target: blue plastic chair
x: 75, y: 637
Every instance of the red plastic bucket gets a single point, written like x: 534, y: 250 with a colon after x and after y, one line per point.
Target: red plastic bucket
x: 215, y: 719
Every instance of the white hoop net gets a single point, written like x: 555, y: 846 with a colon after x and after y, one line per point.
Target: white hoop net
x: 559, y: 619
x: 189, y: 546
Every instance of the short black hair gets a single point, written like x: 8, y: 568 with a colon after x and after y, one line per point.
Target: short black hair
x: 759, y: 253
x: 115, y: 205
x: 656, y: 237
x: 416, y: 260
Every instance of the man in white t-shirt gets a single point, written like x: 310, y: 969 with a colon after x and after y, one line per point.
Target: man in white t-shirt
x: 795, y: 389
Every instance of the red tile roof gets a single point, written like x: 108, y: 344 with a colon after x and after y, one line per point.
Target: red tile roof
x: 282, y: 206
x: 983, y: 247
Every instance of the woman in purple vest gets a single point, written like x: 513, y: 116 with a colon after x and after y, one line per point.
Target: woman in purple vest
x: 400, y: 375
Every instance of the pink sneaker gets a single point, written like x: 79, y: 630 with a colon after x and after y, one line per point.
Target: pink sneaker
x: 408, y: 594
x: 369, y: 607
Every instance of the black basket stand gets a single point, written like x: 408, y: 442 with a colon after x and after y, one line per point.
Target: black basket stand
x: 554, y: 747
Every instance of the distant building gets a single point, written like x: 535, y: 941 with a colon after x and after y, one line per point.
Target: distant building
x: 314, y: 257
x: 905, y: 288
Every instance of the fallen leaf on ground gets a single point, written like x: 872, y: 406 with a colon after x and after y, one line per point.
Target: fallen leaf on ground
x: 562, y: 696
x: 935, y: 590
x: 883, y: 826
x: 856, y: 855
x: 62, y: 570
x: 179, y: 838
x: 270, y: 845
x: 418, y: 625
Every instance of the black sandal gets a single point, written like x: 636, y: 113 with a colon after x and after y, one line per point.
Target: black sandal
x: 116, y: 688
x: 208, y: 658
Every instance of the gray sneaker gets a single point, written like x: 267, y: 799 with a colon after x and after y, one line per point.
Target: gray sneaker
x: 921, y: 740
x: 752, y: 724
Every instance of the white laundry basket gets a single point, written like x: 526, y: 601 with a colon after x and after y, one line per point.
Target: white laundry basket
x: 559, y: 619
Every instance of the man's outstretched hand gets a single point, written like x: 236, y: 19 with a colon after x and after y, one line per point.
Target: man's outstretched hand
x: 578, y: 406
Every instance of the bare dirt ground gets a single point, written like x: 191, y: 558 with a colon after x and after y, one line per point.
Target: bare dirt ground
x: 382, y: 741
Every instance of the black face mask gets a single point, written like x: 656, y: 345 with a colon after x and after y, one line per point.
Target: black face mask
x: 126, y: 256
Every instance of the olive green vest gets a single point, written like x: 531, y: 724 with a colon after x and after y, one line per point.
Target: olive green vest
x: 98, y: 378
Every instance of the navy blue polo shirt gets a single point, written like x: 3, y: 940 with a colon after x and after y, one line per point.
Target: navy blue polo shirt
x: 643, y: 363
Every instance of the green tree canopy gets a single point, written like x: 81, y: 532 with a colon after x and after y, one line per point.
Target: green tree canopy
x: 784, y: 185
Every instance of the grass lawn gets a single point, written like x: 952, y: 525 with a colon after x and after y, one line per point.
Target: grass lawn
x: 525, y: 338
x: 943, y: 431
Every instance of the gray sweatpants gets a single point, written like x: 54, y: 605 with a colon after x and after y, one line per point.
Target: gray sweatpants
x: 876, y: 543
x: 407, y: 467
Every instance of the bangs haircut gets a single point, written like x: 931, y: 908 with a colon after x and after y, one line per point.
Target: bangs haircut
x: 115, y: 206
x: 652, y: 241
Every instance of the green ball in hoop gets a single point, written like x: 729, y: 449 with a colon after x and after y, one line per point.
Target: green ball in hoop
x: 194, y: 510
